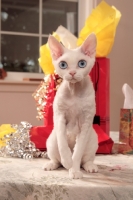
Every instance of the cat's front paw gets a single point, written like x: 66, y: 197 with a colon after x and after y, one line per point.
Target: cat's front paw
x: 50, y: 166
x: 90, y: 167
x: 75, y: 174
x: 67, y: 163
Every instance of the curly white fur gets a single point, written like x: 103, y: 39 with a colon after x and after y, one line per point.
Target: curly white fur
x: 73, y: 141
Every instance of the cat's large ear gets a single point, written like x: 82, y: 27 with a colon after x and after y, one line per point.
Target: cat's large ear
x: 55, y: 47
x: 89, y: 45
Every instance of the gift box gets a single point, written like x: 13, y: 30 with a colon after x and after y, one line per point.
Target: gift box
x: 126, y: 131
x: 40, y: 134
x: 100, y: 76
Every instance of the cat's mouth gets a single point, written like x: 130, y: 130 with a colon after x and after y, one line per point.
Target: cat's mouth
x: 73, y: 80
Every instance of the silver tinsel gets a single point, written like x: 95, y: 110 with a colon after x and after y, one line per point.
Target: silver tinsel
x: 18, y: 143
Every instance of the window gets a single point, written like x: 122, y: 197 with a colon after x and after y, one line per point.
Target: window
x: 25, y: 26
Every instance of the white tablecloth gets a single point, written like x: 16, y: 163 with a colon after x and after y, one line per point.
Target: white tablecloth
x: 25, y: 180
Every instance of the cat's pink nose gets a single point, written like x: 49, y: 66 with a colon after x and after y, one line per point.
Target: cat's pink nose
x: 72, y: 73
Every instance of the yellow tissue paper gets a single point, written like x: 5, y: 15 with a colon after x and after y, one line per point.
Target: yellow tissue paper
x: 45, y: 59
x: 103, y: 22
x: 5, y: 129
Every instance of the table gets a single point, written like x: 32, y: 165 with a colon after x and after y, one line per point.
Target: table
x: 25, y: 180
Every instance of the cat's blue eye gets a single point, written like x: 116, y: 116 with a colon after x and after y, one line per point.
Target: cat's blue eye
x: 63, y: 65
x: 82, y: 63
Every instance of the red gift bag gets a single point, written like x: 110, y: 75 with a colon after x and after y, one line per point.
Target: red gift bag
x: 105, y: 143
x: 39, y: 135
x: 100, y: 75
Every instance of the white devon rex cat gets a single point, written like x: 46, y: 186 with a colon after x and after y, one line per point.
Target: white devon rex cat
x: 73, y: 141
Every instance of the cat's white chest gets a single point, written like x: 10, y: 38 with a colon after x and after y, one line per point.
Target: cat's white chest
x: 72, y: 111
x: 72, y: 106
